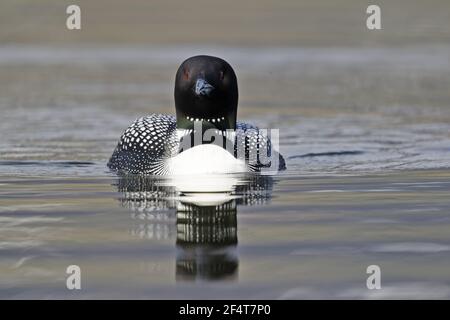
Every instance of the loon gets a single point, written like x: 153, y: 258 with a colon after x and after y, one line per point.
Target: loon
x: 206, y: 99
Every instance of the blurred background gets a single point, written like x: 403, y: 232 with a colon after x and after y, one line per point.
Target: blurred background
x: 246, y: 23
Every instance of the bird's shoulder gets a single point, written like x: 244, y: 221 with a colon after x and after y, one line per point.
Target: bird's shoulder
x: 257, y: 147
x: 149, y: 133
x: 145, y: 144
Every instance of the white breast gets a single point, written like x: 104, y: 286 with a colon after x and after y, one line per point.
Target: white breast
x: 205, y: 159
x: 206, y: 168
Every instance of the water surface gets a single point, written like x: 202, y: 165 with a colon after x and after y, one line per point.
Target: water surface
x: 366, y: 136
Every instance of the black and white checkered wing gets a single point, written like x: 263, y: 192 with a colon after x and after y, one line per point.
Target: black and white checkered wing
x: 255, y: 145
x: 145, y: 146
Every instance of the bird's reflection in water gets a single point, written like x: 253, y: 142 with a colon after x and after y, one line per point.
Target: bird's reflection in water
x: 207, y: 238
x: 205, y: 212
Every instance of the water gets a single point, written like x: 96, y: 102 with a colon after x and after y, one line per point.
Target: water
x: 366, y: 136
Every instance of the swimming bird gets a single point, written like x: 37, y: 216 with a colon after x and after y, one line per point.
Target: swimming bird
x: 204, y: 137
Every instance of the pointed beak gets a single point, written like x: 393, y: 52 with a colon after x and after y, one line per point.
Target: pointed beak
x: 203, y: 88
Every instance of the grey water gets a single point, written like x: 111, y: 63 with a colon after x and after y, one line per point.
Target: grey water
x: 366, y: 137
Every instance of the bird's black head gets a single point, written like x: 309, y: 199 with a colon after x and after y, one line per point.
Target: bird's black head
x: 206, y: 90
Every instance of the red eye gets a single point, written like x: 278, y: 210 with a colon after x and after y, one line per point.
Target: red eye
x: 185, y: 74
x: 221, y: 75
